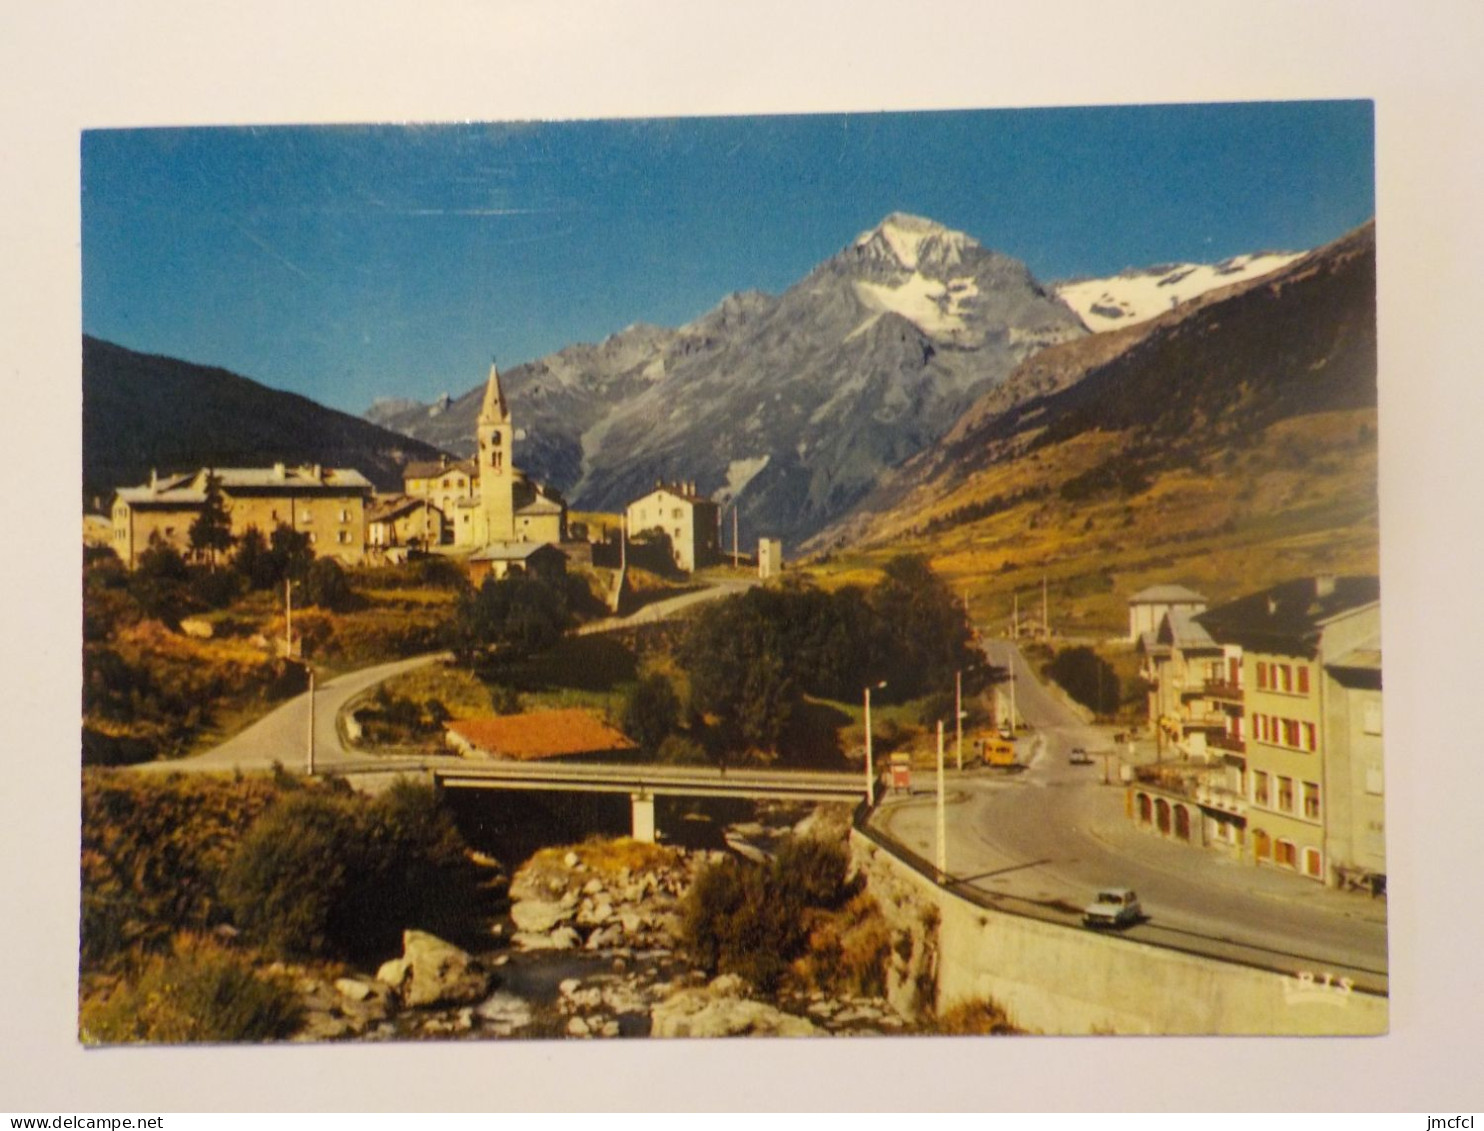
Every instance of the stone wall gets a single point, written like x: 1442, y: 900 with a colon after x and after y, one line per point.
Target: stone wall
x: 1058, y: 979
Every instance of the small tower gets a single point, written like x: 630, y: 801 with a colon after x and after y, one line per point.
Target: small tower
x: 496, y: 464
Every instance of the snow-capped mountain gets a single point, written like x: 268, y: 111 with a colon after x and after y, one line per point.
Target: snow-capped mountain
x: 790, y: 405
x: 1139, y: 294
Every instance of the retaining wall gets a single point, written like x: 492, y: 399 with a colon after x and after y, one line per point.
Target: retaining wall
x: 1058, y: 979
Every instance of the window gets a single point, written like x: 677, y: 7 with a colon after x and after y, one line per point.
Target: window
x: 1285, y: 793
x: 675, y: 513
x: 1290, y: 732
x: 1262, y: 846
x: 1303, y: 679
x: 1311, y: 800
x: 1371, y: 720
x: 1311, y: 737
x: 1313, y: 864
x: 1259, y: 787
x: 1262, y: 675
x: 342, y: 536
x: 445, y: 483
x: 1285, y: 677
x: 1286, y: 853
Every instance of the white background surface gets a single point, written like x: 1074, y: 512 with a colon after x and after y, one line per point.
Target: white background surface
x: 68, y: 66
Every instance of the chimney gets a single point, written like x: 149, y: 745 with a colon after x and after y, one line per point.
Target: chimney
x: 278, y: 471
x: 154, y: 480
x: 319, y: 472
x: 1324, y: 585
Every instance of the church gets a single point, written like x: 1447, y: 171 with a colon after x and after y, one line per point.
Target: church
x: 487, y: 504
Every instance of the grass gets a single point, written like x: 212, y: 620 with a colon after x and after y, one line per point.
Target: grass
x: 1298, y: 499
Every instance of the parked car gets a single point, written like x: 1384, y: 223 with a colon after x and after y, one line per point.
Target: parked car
x: 1080, y: 757
x: 1113, y: 907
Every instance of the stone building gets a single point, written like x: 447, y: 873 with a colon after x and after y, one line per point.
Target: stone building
x: 327, y: 504
x: 687, y: 519
x: 487, y: 499
x: 1294, y: 778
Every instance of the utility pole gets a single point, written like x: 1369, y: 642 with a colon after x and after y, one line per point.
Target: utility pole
x: 1015, y: 620
x: 735, y: 548
x: 310, y: 761
x: 958, y: 713
x: 288, y: 618
x: 942, y: 813
x: 1045, y: 618
x: 623, y: 542
x: 870, y: 765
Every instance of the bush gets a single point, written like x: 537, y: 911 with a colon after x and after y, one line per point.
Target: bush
x: 327, y: 587
x: 753, y: 920
x: 980, y: 1017
x: 1087, y: 678
x: 651, y: 712
x: 198, y: 992
x: 680, y: 750
x: 322, y: 875
x: 152, y: 855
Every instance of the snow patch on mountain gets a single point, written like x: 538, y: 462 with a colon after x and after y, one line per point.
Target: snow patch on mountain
x: 1137, y: 296
x: 741, y: 472
x: 936, y: 308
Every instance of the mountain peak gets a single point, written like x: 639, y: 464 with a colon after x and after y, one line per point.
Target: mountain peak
x: 907, y: 238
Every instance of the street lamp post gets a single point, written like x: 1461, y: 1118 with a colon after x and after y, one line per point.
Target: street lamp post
x: 942, y: 813
x: 958, y: 709
x: 870, y: 767
x: 310, y: 756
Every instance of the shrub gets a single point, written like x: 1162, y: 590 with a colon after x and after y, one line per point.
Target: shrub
x: 651, y: 712
x: 681, y: 750
x: 327, y: 587
x: 152, y: 855
x: 324, y: 875
x: 198, y: 992
x: 979, y: 1017
x: 753, y: 920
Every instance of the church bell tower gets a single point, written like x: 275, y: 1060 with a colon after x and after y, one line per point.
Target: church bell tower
x: 496, y: 463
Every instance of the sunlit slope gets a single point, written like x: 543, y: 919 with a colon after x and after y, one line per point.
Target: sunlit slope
x: 1227, y: 445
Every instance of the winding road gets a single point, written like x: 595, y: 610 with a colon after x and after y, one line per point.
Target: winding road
x: 1040, y: 842
x: 283, y: 735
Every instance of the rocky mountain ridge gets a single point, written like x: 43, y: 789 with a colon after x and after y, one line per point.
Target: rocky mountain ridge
x: 791, y: 406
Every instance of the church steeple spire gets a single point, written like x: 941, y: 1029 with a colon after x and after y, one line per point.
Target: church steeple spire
x: 494, y: 410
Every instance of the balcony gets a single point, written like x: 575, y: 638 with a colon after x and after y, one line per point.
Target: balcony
x: 1224, y: 800
x: 1222, y: 689
x: 1224, y: 741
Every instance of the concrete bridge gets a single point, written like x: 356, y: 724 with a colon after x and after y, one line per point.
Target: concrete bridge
x: 642, y: 783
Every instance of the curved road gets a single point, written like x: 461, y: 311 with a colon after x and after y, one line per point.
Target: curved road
x: 283, y: 734
x: 1041, y: 841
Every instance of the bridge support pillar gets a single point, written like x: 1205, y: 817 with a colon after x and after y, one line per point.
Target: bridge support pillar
x: 643, y: 810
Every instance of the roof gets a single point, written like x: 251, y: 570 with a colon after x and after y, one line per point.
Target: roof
x: 541, y: 505
x: 1179, y: 628
x: 510, y: 551
x: 432, y: 468
x: 541, y: 734
x: 675, y: 491
x: 1166, y: 595
x: 393, y: 507
x: 1149, y: 645
x: 1359, y: 667
x: 190, y: 489
x: 1289, y: 618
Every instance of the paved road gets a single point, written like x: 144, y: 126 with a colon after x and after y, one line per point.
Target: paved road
x: 662, y: 610
x: 1042, y: 840
x: 283, y: 735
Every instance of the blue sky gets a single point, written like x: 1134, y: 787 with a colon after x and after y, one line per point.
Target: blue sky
x: 347, y: 263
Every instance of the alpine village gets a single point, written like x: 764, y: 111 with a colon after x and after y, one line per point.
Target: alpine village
x: 923, y: 649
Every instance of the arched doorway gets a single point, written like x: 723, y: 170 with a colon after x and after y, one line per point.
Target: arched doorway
x: 1182, y: 822
x: 1146, y: 809
x: 1162, y: 815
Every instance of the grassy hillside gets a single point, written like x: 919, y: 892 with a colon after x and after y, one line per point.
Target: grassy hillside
x: 1229, y: 446
x: 141, y: 412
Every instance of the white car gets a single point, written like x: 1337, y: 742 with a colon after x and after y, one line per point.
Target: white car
x: 1113, y: 907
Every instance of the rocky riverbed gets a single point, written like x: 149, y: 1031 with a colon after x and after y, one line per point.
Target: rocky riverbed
x: 590, y: 947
